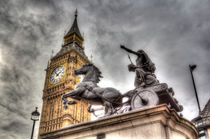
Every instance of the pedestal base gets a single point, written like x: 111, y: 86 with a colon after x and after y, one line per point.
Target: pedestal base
x: 157, y: 122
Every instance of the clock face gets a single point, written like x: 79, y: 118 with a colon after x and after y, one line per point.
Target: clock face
x: 57, y: 74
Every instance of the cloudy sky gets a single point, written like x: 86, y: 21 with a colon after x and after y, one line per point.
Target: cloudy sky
x: 174, y: 33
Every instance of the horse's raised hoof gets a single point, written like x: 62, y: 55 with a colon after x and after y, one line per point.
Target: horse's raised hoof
x: 65, y: 107
x: 72, y: 102
x: 65, y: 96
x: 90, y: 110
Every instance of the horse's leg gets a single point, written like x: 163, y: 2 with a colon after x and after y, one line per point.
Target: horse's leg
x: 76, y: 97
x: 90, y: 110
x: 73, y: 94
x: 109, y: 108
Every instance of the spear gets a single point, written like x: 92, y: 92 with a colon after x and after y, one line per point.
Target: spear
x: 130, y: 59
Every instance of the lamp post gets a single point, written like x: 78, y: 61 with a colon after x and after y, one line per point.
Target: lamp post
x: 192, y: 67
x: 34, y: 117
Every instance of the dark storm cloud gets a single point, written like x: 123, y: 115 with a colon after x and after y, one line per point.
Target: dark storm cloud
x: 16, y: 85
x: 25, y: 32
x: 174, y: 33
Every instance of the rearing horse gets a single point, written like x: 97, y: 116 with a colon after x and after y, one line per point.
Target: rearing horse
x: 88, y: 91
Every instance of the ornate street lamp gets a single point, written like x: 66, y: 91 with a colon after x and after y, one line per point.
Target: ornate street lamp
x: 34, y: 117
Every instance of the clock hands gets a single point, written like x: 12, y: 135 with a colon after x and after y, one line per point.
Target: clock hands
x: 57, y: 74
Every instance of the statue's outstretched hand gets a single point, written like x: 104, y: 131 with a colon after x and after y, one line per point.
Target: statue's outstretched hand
x: 122, y: 46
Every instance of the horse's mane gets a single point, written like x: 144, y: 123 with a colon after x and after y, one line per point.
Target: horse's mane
x: 97, y: 71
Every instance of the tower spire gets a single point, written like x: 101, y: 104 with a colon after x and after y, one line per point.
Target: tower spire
x: 75, y: 13
x: 74, y: 28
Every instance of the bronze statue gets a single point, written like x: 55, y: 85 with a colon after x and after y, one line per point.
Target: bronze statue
x: 148, y: 91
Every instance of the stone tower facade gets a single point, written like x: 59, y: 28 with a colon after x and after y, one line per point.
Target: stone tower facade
x: 60, y: 79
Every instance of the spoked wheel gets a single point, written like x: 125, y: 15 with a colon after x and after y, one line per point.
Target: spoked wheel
x: 143, y: 99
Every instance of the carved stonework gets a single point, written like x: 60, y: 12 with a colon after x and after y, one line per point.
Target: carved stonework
x: 72, y: 59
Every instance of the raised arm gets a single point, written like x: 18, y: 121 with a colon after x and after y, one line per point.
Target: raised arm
x: 128, y: 50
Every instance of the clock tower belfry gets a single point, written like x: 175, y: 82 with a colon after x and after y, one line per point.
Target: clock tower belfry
x: 60, y: 79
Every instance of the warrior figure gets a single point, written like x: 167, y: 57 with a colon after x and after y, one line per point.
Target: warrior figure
x: 144, y: 69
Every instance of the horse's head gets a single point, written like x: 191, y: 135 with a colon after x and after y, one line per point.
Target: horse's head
x: 83, y: 70
x: 91, y: 72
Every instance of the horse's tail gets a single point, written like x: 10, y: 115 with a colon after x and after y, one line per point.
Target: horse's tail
x: 118, y: 101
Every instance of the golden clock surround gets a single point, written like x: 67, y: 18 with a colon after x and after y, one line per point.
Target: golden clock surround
x: 62, y: 80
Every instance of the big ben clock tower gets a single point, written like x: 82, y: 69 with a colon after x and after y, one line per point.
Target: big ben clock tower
x: 60, y: 79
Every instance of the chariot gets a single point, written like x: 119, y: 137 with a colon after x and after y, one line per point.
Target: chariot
x: 112, y: 100
x: 154, y: 95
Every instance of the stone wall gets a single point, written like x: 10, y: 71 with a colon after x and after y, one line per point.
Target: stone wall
x: 153, y: 123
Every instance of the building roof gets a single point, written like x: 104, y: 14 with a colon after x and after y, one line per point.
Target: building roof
x: 204, y: 116
x: 206, y: 111
x: 74, y: 28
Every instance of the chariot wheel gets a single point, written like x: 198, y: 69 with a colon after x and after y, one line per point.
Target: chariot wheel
x: 143, y: 99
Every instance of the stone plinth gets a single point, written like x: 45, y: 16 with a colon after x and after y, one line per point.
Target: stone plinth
x: 153, y: 123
